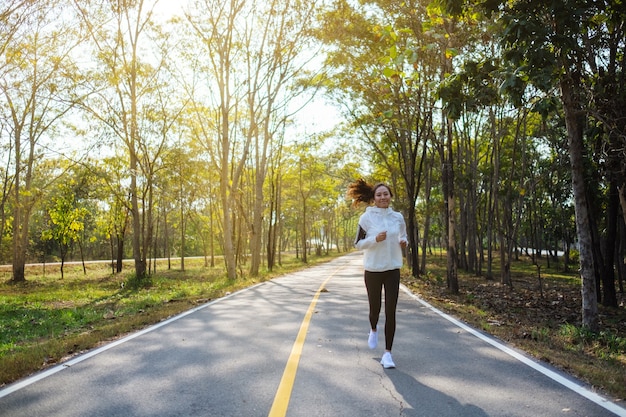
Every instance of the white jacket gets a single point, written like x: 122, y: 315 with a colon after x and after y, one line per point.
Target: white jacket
x: 385, y: 255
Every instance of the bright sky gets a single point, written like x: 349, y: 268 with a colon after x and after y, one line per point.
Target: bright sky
x: 168, y: 8
x: 317, y: 116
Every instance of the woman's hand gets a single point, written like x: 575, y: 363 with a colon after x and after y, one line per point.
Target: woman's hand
x: 381, y: 236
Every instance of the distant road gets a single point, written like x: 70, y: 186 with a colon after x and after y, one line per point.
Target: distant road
x: 297, y: 346
x: 99, y: 261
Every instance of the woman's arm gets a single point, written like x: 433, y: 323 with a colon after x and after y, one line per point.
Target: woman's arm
x: 363, y: 240
x: 402, y: 236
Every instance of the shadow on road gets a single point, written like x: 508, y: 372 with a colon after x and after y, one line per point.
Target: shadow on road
x: 421, y: 400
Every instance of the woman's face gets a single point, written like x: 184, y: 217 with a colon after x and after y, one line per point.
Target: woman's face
x: 382, y: 197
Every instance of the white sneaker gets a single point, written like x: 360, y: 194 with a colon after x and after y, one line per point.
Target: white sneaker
x: 387, y: 361
x: 372, y: 340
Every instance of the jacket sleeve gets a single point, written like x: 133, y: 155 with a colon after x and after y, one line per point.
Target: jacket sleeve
x: 362, y: 240
x: 402, y: 235
x: 360, y: 235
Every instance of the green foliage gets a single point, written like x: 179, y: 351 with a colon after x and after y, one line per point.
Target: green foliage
x: 605, y: 343
x: 134, y: 283
x: 434, y: 277
x: 542, y: 334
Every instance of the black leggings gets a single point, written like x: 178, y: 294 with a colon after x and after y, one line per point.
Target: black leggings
x: 374, y: 282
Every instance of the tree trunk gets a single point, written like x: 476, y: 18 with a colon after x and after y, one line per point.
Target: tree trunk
x: 414, y: 243
x: 211, y: 228
x: 112, y: 247
x: 226, y: 198
x: 427, y: 216
x: 140, y: 264
x: 461, y: 157
x: 272, y: 232
x: 148, y: 219
x: 63, y: 251
x: 492, y: 201
x: 609, y: 295
x: 621, y: 256
x: 183, y: 226
x: 303, y: 233
x: 19, y: 252
x: 155, y: 243
x: 256, y: 235
x: 574, y: 122
x: 167, y: 251
x: 133, y: 140
x: 452, y: 276
x: 82, y: 256
x: 23, y: 206
x: 622, y: 199
x: 120, y: 253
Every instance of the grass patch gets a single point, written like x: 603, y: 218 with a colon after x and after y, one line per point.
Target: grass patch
x: 46, y: 319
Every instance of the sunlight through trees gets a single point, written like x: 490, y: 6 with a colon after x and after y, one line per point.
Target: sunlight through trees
x: 497, y: 123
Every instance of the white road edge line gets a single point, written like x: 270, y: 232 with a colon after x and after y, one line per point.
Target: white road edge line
x: 579, y: 389
x: 11, y: 388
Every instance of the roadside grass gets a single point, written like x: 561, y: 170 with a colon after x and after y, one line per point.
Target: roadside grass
x: 547, y: 327
x: 46, y: 319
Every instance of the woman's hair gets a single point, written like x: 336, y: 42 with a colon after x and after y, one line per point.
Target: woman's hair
x: 360, y: 191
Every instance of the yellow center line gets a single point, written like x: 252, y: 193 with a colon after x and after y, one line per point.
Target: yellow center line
x: 283, y: 394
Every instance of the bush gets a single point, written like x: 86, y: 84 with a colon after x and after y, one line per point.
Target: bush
x: 134, y: 283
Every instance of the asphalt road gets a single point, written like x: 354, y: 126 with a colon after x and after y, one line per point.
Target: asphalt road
x: 297, y: 346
